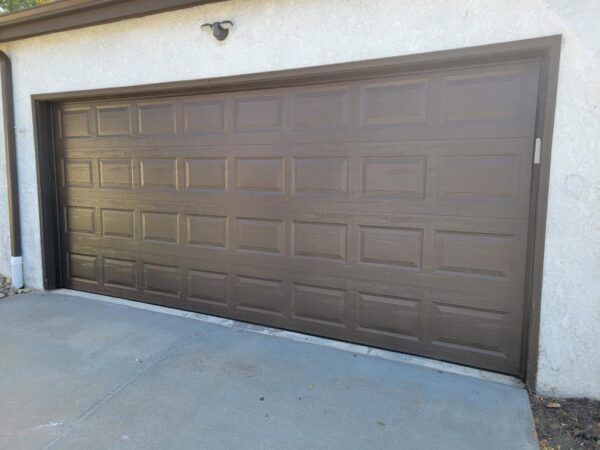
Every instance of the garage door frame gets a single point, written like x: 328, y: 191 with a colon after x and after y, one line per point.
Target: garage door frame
x: 546, y: 50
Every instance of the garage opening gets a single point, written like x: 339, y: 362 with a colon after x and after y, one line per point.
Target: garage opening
x: 386, y: 209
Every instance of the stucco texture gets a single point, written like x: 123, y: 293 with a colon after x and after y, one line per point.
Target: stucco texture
x: 280, y: 34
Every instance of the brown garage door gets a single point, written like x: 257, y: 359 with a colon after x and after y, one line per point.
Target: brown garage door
x: 387, y: 211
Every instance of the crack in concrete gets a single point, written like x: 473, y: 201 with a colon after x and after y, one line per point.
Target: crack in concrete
x: 157, y: 359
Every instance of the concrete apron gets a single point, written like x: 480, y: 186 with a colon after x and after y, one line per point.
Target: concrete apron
x: 331, y: 343
x: 90, y: 374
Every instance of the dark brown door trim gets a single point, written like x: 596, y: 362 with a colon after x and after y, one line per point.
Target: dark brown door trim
x: 539, y: 203
x: 546, y: 50
x: 47, y: 193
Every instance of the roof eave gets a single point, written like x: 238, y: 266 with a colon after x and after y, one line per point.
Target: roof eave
x: 70, y: 14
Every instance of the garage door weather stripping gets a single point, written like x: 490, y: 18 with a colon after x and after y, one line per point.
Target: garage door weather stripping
x: 16, y: 259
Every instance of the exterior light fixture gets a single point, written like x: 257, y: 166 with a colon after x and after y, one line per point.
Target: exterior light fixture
x: 220, y: 30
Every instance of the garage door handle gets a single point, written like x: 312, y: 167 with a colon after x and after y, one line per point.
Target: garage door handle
x: 537, y: 153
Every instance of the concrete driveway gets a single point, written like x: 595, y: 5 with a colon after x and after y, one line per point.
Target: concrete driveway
x: 77, y: 373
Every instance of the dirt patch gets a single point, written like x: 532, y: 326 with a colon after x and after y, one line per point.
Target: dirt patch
x: 6, y: 289
x: 565, y: 424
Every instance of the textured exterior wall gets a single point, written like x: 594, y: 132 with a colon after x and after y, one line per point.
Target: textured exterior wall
x: 280, y: 34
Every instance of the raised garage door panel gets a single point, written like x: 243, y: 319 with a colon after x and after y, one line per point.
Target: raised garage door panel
x: 388, y: 211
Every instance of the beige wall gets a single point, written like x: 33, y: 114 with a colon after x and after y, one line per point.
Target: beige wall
x: 280, y: 34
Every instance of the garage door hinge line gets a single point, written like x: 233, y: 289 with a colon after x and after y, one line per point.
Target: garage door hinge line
x: 8, y: 115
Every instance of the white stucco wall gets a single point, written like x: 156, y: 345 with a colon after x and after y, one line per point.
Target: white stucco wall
x: 280, y: 34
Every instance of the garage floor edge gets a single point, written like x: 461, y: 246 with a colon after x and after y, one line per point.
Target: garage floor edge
x: 331, y: 343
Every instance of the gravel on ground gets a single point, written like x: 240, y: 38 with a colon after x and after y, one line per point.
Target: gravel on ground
x: 6, y: 289
x: 566, y: 424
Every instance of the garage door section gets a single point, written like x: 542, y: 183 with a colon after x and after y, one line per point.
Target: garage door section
x: 386, y: 211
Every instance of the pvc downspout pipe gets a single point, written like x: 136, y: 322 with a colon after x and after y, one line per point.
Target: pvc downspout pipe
x: 8, y: 116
